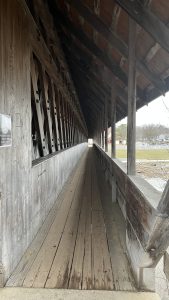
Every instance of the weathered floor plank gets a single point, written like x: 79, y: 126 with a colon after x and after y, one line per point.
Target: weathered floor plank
x: 36, y: 253
x: 115, y: 229
x: 102, y: 269
x: 87, y: 282
x: 81, y: 249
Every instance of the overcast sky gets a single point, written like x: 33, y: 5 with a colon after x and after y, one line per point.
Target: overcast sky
x: 156, y: 112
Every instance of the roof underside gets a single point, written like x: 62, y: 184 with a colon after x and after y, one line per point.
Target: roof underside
x: 94, y: 36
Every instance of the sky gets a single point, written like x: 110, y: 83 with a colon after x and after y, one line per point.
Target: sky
x: 156, y: 112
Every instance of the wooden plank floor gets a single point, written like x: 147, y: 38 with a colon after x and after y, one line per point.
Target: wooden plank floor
x: 75, y: 253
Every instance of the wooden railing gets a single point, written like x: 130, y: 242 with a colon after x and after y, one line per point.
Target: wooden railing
x: 146, y: 212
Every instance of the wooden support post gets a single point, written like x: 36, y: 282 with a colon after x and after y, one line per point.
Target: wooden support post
x: 62, y: 120
x: 75, y: 135
x: 100, y: 130
x: 103, y: 129
x: 113, y: 123
x: 37, y: 109
x: 101, y: 133
x: 98, y: 140
x: 46, y: 107
x: 54, y: 114
x: 68, y: 124
x: 131, y: 128
x: 106, y: 126
x: 113, y: 139
x: 78, y: 136
x: 59, y: 119
x: 71, y: 125
x: 72, y: 128
x: 74, y: 131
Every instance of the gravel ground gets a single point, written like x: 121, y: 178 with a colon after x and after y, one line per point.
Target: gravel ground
x: 155, y: 172
x: 153, y: 169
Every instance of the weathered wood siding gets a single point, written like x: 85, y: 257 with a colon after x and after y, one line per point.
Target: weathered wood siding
x: 27, y: 192
x: 48, y: 179
x: 15, y: 161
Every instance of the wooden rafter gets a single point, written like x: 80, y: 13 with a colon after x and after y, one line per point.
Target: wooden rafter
x: 72, y: 44
x: 115, y: 41
x: 61, y: 20
x: 74, y: 58
x: 147, y: 20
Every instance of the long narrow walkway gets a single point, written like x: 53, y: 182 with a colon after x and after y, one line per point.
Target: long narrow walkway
x: 76, y: 251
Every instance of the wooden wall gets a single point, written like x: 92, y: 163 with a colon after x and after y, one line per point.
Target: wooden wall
x: 15, y: 161
x: 27, y: 192
x: 48, y: 178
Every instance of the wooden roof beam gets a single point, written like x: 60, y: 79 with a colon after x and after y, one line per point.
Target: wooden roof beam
x: 84, y: 88
x: 116, y: 42
x: 80, y: 34
x: 115, y: 18
x: 147, y: 3
x: 147, y: 20
x: 113, y: 26
x: 91, y: 93
x: 97, y: 12
x: 61, y: 20
x: 99, y: 86
x: 73, y: 55
x: 91, y: 81
x: 122, y: 109
x: 91, y: 76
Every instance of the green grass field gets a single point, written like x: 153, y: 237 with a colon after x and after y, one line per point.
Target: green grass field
x: 152, y: 154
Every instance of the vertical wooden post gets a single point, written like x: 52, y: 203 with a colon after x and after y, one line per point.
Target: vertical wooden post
x: 106, y: 126
x: 45, y: 105
x: 100, y: 130
x: 66, y: 123
x: 61, y: 120
x: 69, y: 124
x: 72, y: 129
x: 103, y: 129
x: 53, y: 113
x: 113, y: 123
x: 57, y: 103
x: 113, y: 138
x: 131, y: 127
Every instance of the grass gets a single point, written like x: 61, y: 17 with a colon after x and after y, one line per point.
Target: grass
x: 151, y: 154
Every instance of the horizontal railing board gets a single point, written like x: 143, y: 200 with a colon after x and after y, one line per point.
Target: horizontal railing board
x: 145, y: 210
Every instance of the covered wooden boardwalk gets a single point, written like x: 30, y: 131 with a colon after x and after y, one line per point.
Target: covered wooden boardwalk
x: 82, y: 248
x: 73, y: 218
